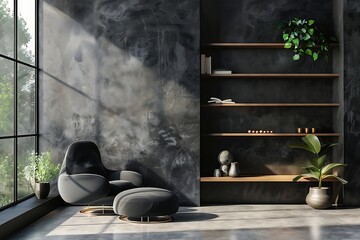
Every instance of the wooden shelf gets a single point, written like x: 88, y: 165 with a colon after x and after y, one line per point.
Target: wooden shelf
x: 271, y: 105
x: 272, y: 75
x: 251, y: 45
x: 270, y: 134
x: 262, y: 178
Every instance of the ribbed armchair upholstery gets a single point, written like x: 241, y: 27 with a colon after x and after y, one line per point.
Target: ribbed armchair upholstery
x: 84, y: 179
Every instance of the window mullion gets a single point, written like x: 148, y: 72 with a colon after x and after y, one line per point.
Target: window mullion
x: 15, y: 98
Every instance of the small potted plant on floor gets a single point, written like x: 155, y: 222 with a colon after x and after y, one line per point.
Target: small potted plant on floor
x: 41, y: 170
x: 318, y: 197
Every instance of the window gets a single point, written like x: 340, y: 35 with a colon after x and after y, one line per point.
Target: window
x: 18, y: 96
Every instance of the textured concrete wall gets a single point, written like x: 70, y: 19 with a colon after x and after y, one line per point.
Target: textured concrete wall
x: 124, y: 74
x: 352, y: 101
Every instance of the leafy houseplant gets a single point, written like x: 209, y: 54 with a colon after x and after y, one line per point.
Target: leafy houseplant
x: 318, y: 170
x: 304, y: 38
x: 41, y: 170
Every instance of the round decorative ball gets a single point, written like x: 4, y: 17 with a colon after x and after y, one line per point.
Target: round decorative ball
x: 225, y: 157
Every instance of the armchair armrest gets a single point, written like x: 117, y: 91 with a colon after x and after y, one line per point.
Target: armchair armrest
x: 82, y: 188
x: 131, y: 176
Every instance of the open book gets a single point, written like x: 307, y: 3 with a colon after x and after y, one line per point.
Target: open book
x: 218, y: 100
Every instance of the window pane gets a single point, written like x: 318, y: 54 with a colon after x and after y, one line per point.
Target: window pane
x: 26, y: 99
x: 7, y: 27
x: 6, y: 171
x: 25, y: 146
x: 26, y: 31
x: 6, y: 97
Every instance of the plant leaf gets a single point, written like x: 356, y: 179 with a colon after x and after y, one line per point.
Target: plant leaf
x: 311, y: 31
x: 307, y: 37
x: 303, y: 30
x: 311, y: 22
x: 343, y: 181
x: 296, y: 57
x: 302, y: 146
x: 314, y: 141
x: 321, y: 161
x: 312, y: 169
x: 330, y: 166
x: 326, y: 147
x: 296, y: 42
x: 315, y: 56
x: 308, y: 52
x: 285, y: 36
x: 295, y: 179
x: 287, y: 45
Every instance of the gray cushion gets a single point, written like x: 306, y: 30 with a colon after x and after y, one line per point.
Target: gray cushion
x: 117, y: 186
x: 146, y: 202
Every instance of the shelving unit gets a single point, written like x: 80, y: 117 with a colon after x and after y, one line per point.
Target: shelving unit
x: 286, y: 95
x: 272, y: 75
x: 261, y: 178
x: 251, y: 45
x: 269, y: 134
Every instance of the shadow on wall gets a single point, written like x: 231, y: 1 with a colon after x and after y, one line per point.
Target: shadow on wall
x: 137, y: 98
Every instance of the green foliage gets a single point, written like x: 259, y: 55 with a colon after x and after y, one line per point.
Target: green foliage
x: 304, y: 38
x: 318, y: 169
x: 41, y: 168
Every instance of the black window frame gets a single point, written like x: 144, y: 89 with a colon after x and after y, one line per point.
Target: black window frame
x: 16, y: 63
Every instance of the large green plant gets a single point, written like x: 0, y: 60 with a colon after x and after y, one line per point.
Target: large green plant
x: 41, y: 168
x: 304, y: 38
x: 318, y: 169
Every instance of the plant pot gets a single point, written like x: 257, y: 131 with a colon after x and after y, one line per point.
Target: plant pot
x: 319, y: 198
x: 42, y: 190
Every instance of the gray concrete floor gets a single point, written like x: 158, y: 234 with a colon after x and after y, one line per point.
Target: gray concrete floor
x: 209, y: 222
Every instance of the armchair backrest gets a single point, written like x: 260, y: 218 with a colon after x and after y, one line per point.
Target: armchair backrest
x: 84, y: 157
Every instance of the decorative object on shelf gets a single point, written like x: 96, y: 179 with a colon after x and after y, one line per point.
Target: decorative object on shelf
x: 234, y: 170
x: 208, y: 65
x: 306, y: 130
x: 221, y: 71
x: 218, y: 100
x: 299, y: 130
x: 317, y: 198
x: 225, y: 157
x: 225, y: 170
x: 313, y: 130
x: 259, y: 131
x: 217, y: 173
x: 303, y: 36
x: 41, y: 170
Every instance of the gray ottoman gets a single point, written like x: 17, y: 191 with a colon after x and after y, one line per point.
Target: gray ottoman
x: 149, y: 202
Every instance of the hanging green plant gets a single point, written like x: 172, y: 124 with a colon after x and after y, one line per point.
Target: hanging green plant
x: 304, y: 38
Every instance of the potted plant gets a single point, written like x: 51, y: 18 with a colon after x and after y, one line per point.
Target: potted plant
x: 41, y: 170
x: 318, y: 197
x: 304, y: 38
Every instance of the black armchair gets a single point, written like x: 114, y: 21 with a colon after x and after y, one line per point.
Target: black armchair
x: 84, y: 180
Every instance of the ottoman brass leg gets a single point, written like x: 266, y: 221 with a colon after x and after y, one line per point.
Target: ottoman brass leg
x: 149, y: 220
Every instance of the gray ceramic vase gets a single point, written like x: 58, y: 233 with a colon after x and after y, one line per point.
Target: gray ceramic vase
x: 225, y: 157
x: 319, y: 198
x: 234, y: 170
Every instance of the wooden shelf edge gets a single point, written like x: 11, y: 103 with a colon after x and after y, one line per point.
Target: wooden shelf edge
x: 261, y: 178
x: 279, y: 45
x: 271, y: 105
x: 270, y: 134
x: 272, y: 75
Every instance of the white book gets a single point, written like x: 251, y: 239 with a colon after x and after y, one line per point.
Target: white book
x: 218, y: 100
x: 203, y: 64
x: 208, y: 65
x: 221, y: 71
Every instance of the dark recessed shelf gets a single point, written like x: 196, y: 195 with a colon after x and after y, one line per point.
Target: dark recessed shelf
x: 269, y: 134
x: 272, y: 75
x: 251, y: 45
x: 270, y: 105
x: 262, y: 178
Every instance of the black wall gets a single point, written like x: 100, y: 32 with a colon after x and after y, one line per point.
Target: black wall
x: 352, y: 100
x: 124, y: 74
